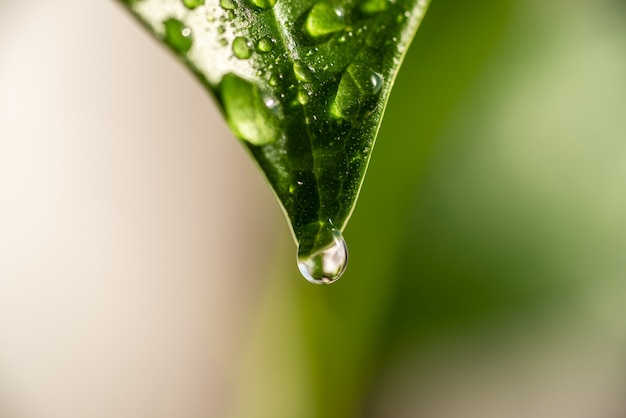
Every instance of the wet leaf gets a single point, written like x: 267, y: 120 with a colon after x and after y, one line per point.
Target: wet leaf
x: 304, y: 85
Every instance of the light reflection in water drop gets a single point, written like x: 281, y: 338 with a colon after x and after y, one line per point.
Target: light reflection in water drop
x: 326, y: 265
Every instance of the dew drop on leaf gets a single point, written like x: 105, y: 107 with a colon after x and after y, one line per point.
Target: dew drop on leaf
x: 253, y: 116
x: 370, y: 7
x: 228, y: 4
x: 303, y: 97
x: 324, y: 19
x: 358, y: 84
x: 192, y: 4
x: 177, y: 35
x: 264, y: 45
x: 242, y: 47
x: 264, y: 4
x: 302, y: 71
x: 326, y: 264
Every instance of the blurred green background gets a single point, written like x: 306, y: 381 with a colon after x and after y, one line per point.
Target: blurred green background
x: 488, y: 248
x: 145, y: 270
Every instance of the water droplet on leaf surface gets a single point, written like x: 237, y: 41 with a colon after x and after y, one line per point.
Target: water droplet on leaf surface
x: 324, y: 265
x: 264, y: 45
x: 252, y: 115
x: 370, y: 7
x: 302, y: 71
x: 358, y: 85
x: 324, y: 19
x: 264, y: 4
x: 192, y: 4
x: 303, y: 96
x: 177, y: 35
x: 228, y: 4
x: 242, y: 47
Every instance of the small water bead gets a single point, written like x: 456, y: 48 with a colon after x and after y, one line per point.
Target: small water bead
x: 370, y: 7
x: 223, y: 41
x: 324, y: 19
x: 264, y: 45
x: 263, y: 4
x: 325, y: 265
x: 303, y: 96
x: 177, y: 35
x: 252, y: 115
x: 192, y: 4
x: 302, y: 71
x: 228, y: 4
x: 221, y: 29
x: 242, y: 47
x: 358, y: 84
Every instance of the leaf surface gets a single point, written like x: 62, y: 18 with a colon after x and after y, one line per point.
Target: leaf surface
x: 304, y: 85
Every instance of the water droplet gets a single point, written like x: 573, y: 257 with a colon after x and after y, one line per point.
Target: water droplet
x: 177, y: 35
x: 264, y: 45
x: 242, y: 47
x: 252, y: 115
x: 370, y: 7
x: 358, y: 84
x: 324, y: 19
x: 228, y: 4
x: 230, y: 15
x: 264, y: 4
x: 273, y: 80
x: 303, y: 96
x: 221, y: 29
x: 303, y: 72
x: 325, y: 265
x: 192, y: 4
x: 223, y: 41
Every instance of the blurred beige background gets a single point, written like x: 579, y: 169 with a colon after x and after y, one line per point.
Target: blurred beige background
x: 131, y: 221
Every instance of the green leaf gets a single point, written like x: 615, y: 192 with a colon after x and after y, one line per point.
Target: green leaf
x: 304, y: 85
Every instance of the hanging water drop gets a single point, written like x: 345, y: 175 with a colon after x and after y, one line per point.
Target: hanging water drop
x: 324, y: 265
x: 324, y: 19
x: 242, y: 47
x: 177, y: 35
